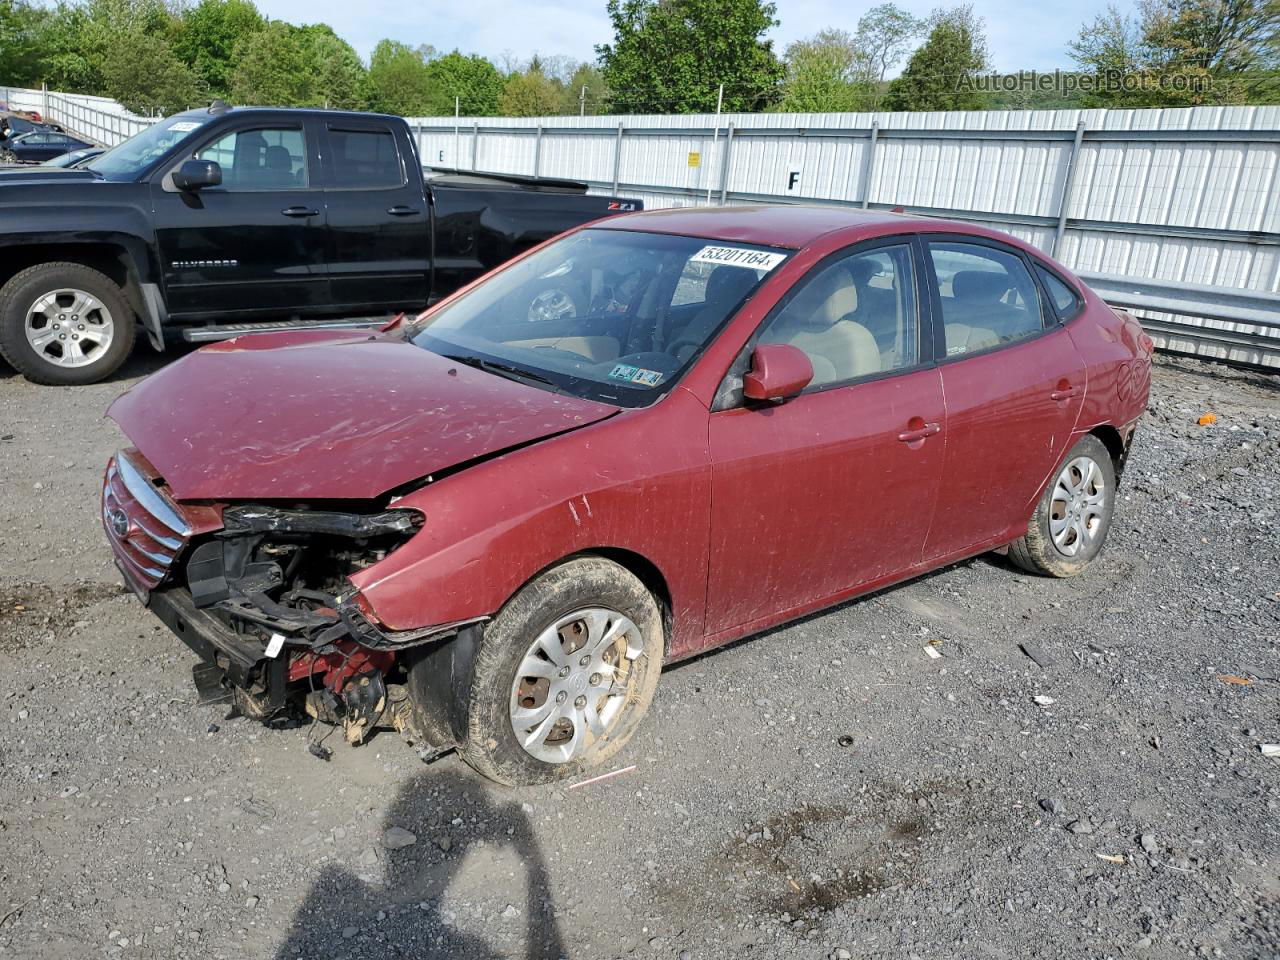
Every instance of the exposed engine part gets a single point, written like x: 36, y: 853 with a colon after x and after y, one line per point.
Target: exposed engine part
x: 365, y: 699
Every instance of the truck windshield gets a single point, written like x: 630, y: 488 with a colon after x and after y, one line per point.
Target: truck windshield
x: 609, y: 315
x: 128, y: 160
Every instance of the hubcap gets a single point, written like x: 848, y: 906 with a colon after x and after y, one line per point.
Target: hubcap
x: 1076, y: 511
x: 552, y: 304
x: 69, y: 327
x: 571, y: 685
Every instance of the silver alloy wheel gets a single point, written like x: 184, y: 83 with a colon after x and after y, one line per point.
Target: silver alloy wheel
x: 572, y: 683
x: 69, y: 327
x: 1077, y: 508
x: 552, y: 304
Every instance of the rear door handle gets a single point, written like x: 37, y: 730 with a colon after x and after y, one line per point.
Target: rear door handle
x: 1064, y: 393
x: 919, y: 433
x: 300, y: 212
x: 400, y: 210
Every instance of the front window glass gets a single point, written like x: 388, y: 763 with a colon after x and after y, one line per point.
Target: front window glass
x: 259, y: 159
x: 130, y: 159
x: 611, y: 315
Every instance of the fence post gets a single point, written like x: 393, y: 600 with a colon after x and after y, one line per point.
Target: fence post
x: 617, y: 160
x: 475, y: 144
x: 1068, y: 185
x: 725, y: 157
x: 44, y: 101
x: 868, y: 167
x: 537, y: 151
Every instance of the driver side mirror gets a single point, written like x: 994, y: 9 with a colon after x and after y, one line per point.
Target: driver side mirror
x: 197, y: 174
x: 778, y: 371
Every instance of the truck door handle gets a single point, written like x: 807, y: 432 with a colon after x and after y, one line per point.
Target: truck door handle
x: 300, y: 212
x: 400, y: 210
x: 916, y: 434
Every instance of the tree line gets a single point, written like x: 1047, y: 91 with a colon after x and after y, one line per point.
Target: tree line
x: 666, y: 56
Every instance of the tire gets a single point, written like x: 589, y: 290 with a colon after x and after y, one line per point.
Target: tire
x: 1057, y: 549
x: 109, y: 318
x: 497, y: 689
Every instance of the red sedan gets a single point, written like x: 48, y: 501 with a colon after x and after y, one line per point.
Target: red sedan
x: 490, y: 527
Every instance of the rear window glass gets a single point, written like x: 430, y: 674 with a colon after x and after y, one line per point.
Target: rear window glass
x: 365, y: 159
x: 1064, y: 298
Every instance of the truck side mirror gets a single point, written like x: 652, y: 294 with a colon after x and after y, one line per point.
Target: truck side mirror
x: 778, y: 371
x: 197, y: 174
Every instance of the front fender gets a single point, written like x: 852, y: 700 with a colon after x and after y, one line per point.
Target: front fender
x: 638, y: 482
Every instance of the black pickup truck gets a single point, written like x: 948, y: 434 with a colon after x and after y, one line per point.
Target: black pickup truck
x: 223, y: 221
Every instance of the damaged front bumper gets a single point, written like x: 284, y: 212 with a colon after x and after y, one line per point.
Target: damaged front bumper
x: 261, y: 595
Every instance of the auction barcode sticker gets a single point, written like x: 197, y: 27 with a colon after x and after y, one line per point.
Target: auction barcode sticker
x: 739, y: 257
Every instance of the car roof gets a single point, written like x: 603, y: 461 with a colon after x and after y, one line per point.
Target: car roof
x: 791, y: 226
x: 224, y: 111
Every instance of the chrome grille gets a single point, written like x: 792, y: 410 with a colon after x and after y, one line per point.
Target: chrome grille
x: 145, y: 531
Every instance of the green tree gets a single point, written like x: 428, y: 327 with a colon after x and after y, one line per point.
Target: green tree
x: 398, y: 80
x: 337, y: 77
x: 671, y: 55
x: 209, y: 34
x: 472, y: 79
x: 938, y: 75
x: 827, y: 73
x: 21, y: 53
x: 585, y: 92
x: 141, y: 71
x: 530, y: 93
x: 271, y: 68
x: 884, y: 36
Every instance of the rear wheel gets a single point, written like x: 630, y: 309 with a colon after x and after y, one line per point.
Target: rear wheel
x: 1071, y: 520
x: 64, y: 324
x: 564, y: 674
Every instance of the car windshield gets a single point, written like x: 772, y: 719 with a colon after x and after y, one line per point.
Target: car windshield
x: 127, y: 160
x: 609, y: 315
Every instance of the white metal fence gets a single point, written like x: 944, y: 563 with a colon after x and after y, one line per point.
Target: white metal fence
x: 1179, y: 197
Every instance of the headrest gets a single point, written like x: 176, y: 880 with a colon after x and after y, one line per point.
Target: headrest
x: 979, y: 286
x: 727, y: 285
x: 862, y: 269
x: 278, y: 158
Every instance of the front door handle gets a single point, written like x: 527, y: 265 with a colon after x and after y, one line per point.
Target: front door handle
x: 916, y: 434
x: 400, y: 210
x: 300, y: 212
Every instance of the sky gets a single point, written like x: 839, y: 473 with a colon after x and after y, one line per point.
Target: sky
x: 1021, y: 34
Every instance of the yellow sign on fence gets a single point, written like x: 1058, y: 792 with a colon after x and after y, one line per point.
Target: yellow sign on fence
x: 695, y: 158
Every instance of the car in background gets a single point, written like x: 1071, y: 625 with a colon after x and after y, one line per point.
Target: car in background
x: 75, y: 159
x: 489, y: 529
x: 39, y: 146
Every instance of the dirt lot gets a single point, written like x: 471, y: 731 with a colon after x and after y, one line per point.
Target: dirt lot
x: 826, y: 790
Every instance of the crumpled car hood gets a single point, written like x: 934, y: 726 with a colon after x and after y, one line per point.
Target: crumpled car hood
x: 328, y: 416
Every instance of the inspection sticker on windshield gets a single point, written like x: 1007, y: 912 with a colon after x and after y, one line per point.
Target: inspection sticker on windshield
x: 739, y: 257
x: 186, y: 126
x: 646, y: 378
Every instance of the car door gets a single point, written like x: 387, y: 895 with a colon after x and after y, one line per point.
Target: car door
x: 834, y: 488
x: 1014, y: 385
x: 379, y: 229
x: 254, y: 244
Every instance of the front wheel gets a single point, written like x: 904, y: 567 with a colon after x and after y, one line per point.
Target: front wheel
x: 64, y: 324
x: 564, y: 674
x: 1073, y: 517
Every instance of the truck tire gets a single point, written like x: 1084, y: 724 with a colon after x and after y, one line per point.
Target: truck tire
x: 1071, y: 520
x: 64, y: 324
x: 564, y: 674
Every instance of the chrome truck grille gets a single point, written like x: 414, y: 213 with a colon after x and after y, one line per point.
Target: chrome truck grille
x: 145, y: 531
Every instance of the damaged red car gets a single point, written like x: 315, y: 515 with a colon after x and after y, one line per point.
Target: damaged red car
x: 489, y: 529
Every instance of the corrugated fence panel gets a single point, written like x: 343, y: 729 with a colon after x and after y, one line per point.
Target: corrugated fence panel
x: 1186, y: 195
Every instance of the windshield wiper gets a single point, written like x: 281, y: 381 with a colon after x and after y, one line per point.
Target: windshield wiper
x: 507, y: 370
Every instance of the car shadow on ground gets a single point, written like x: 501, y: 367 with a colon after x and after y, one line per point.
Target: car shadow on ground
x: 409, y: 914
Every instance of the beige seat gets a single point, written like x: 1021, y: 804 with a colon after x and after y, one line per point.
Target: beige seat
x: 839, y: 349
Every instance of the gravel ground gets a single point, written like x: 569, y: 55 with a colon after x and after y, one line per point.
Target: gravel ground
x: 1078, y: 774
